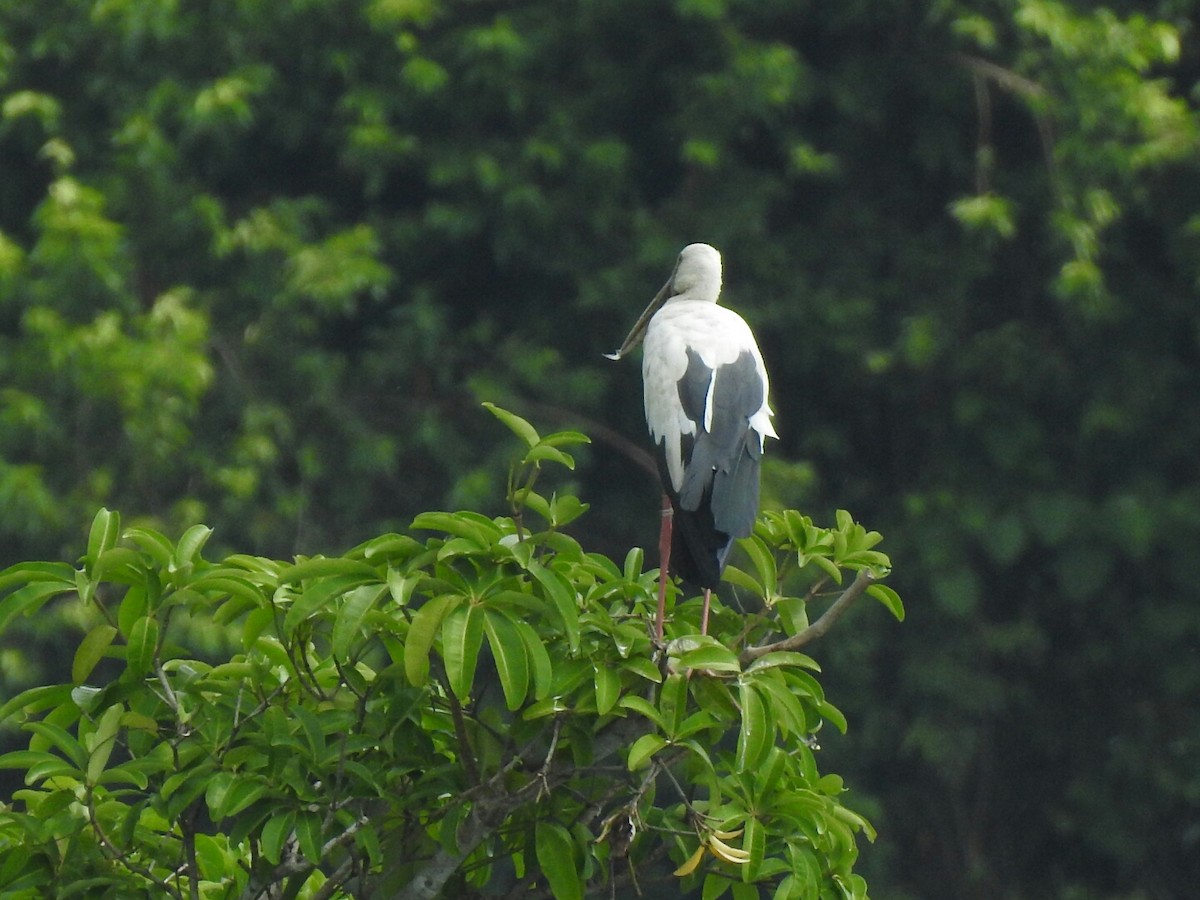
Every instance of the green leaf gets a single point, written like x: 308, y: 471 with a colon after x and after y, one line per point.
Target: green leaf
x: 462, y: 635
x: 143, y: 644
x: 308, y: 833
x: 190, y: 545
x: 566, y: 509
x: 30, y: 572
x: 351, y: 614
x: 556, y: 855
x: 35, y: 699
x: 29, y: 599
x: 102, y: 740
x: 515, y: 423
x: 643, y: 707
x: 562, y: 595
x: 544, y: 452
x: 783, y: 658
x: 735, y: 576
x: 764, y: 564
x: 512, y: 660
x: 316, y: 594
x: 133, y: 607
x: 888, y: 598
x: 401, y: 585
x: 421, y: 633
x: 91, y: 650
x: 210, y: 857
x: 643, y: 668
x: 161, y: 550
x: 275, y: 833
x: 323, y: 567
x: 672, y: 702
x: 754, y: 841
x: 241, y: 794
x: 542, y: 672
x: 106, y: 529
x: 27, y: 759
x: 713, y: 658
x: 643, y: 749
x: 754, y: 735
x: 715, y: 886
x: 119, y: 564
x: 608, y: 688
x: 832, y: 714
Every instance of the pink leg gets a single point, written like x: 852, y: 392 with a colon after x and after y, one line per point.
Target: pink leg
x: 664, y: 560
x: 704, y: 615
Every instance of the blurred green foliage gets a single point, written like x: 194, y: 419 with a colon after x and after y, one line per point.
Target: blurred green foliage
x: 258, y: 262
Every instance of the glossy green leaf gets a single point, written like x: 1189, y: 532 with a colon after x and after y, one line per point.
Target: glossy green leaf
x: 764, y: 563
x: 783, y: 658
x: 541, y: 672
x: 309, y: 835
x: 102, y: 741
x: 511, y: 656
x: 30, y: 599
x: 755, y: 732
x: 90, y: 651
x: 608, y: 688
x: 544, y: 453
x: 673, y: 703
x: 160, y: 549
x: 643, y: 749
x: 275, y: 833
x: 106, y: 529
x: 350, y: 616
x: 643, y: 707
x: 133, y: 606
x: 889, y: 598
x: 517, y: 425
x: 187, y: 551
x: 334, y: 567
x: 556, y: 855
x: 561, y: 594
x: 143, y: 645
x: 35, y: 700
x: 462, y: 635
x: 425, y: 626
x: 317, y: 594
x: 711, y: 658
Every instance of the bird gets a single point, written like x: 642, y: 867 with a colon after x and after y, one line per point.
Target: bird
x: 706, y: 395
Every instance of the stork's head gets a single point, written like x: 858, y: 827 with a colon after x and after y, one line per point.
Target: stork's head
x: 697, y: 276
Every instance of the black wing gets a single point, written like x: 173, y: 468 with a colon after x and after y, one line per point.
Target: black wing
x: 718, y: 499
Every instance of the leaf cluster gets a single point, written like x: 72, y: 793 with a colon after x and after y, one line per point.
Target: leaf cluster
x: 474, y: 703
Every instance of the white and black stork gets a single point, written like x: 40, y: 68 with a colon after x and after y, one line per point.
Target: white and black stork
x: 708, y: 413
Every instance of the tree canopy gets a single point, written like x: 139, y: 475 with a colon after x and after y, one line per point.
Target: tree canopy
x: 260, y: 262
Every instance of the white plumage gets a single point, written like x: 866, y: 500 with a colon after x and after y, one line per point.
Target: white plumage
x: 707, y: 409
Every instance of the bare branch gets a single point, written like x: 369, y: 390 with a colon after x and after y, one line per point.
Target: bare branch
x: 819, y: 628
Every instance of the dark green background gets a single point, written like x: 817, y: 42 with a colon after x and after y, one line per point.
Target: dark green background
x: 259, y: 263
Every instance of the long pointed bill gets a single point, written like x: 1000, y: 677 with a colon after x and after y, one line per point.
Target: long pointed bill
x: 639, y: 328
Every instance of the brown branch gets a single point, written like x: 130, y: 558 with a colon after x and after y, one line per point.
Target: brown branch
x: 495, y: 801
x: 1008, y: 80
x: 819, y: 628
x: 631, y: 450
x: 1005, y: 78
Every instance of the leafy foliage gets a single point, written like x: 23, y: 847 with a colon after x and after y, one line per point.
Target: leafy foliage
x: 480, y: 692
x: 259, y: 262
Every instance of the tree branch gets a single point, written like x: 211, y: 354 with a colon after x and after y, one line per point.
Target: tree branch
x: 819, y: 628
x: 494, y: 802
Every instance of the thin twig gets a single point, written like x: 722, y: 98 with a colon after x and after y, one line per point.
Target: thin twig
x: 819, y: 628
